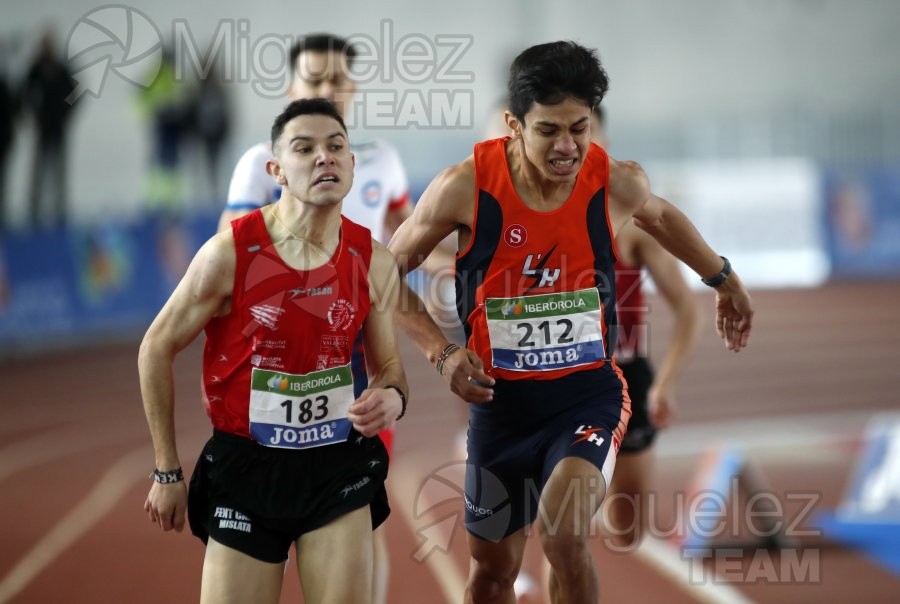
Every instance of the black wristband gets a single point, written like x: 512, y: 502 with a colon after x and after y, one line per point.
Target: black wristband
x: 719, y: 278
x: 169, y: 477
x: 402, y: 398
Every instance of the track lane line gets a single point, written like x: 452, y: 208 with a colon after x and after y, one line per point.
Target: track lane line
x: 62, y: 442
x: 106, y: 493
x: 406, y: 479
x: 114, y: 483
x: 665, y: 559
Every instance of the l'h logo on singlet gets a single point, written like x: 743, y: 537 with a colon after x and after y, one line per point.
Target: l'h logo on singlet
x: 543, y: 277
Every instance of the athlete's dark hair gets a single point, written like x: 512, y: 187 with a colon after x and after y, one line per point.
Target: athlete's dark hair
x: 322, y: 42
x: 304, y: 107
x: 550, y: 73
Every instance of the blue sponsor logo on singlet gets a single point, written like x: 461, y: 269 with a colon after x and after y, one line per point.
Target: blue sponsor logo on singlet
x: 545, y: 359
x: 371, y: 193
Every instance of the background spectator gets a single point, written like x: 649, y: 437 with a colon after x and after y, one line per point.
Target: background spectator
x: 46, y: 87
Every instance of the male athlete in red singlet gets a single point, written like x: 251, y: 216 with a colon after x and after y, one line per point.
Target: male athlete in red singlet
x: 320, y: 66
x: 295, y: 457
x: 536, y: 216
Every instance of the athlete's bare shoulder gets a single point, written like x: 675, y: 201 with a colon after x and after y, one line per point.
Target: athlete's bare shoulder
x: 220, y: 255
x: 627, y: 178
x: 451, y: 194
x: 629, y: 187
x: 211, y: 273
x: 459, y: 179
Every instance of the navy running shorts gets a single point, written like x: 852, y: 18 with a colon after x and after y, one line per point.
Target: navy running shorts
x: 516, y: 440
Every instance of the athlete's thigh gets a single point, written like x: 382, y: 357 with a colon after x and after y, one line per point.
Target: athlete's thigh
x: 335, y: 561
x: 501, y: 483
x: 578, y: 469
x: 232, y: 577
x: 571, y: 497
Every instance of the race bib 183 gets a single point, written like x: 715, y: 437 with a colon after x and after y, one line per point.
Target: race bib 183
x: 292, y: 411
x: 546, y: 331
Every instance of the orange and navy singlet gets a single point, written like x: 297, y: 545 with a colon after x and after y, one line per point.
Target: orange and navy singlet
x: 277, y: 367
x: 536, y: 290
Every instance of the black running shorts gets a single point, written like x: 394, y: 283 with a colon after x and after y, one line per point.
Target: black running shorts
x: 258, y: 500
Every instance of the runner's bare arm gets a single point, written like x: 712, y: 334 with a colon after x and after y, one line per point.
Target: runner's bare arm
x: 440, y: 258
x: 630, y: 196
x: 378, y: 406
x: 445, y: 206
x: 734, y: 309
x: 203, y: 292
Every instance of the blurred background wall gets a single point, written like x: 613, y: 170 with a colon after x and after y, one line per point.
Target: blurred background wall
x: 698, y: 78
x: 774, y: 124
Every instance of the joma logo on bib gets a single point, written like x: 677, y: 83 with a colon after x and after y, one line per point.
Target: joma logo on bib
x: 285, y: 436
x: 545, y: 358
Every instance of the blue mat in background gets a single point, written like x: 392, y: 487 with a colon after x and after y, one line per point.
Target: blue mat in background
x: 878, y: 541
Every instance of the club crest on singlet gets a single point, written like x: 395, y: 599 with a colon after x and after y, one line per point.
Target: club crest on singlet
x: 515, y: 235
x: 340, y: 315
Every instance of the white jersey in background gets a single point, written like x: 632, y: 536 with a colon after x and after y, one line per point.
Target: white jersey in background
x: 379, y: 184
